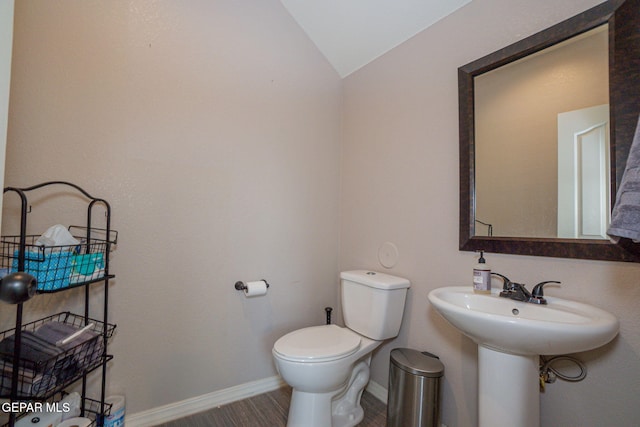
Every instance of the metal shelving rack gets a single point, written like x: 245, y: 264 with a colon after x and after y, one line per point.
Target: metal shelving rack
x: 18, y: 255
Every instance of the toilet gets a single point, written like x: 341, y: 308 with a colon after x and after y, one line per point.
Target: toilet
x: 328, y: 366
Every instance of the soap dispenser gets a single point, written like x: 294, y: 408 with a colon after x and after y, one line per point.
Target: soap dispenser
x: 482, y: 276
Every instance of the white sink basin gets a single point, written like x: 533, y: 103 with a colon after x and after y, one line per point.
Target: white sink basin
x: 516, y: 327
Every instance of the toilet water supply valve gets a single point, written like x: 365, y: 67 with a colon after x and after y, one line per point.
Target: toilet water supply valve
x: 328, y: 310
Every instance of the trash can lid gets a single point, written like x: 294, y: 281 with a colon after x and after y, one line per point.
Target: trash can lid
x: 418, y: 363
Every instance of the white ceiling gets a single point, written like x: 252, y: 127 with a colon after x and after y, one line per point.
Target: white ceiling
x: 352, y: 33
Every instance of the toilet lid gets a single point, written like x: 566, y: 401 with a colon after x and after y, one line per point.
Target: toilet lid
x: 318, y: 343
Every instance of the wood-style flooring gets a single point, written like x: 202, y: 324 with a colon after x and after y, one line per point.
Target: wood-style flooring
x: 270, y: 410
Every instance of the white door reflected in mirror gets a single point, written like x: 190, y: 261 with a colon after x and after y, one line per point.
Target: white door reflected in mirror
x: 516, y: 136
x: 584, y: 177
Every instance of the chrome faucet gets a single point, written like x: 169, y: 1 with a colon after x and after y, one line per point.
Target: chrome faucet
x: 518, y: 291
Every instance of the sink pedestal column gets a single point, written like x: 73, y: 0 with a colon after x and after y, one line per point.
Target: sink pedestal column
x: 508, y: 389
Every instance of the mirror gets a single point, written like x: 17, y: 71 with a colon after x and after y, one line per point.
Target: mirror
x: 526, y: 121
x: 519, y: 110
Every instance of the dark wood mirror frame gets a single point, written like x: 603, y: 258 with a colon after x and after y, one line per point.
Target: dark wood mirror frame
x: 623, y: 17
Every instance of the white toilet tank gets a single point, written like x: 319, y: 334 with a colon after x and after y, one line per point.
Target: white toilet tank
x: 373, y: 303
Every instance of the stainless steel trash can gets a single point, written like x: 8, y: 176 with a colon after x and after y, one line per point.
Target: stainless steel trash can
x: 414, y: 389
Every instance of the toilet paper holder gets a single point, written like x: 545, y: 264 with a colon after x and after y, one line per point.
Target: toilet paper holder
x: 241, y: 286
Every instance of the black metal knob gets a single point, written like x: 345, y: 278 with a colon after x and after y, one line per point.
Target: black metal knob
x: 506, y: 282
x: 537, y: 289
x: 17, y: 287
x: 328, y: 310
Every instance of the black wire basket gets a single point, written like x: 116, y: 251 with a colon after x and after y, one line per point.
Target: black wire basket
x: 57, y: 267
x: 56, y: 351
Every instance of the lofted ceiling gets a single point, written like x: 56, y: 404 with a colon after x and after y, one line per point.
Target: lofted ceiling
x: 352, y: 33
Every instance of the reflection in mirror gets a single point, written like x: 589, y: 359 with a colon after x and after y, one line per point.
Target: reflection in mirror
x: 518, y: 110
x: 540, y: 164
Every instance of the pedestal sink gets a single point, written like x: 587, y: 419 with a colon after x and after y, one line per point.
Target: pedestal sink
x: 510, y: 336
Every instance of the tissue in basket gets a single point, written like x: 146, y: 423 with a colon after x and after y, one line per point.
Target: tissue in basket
x: 57, y: 270
x: 52, y: 270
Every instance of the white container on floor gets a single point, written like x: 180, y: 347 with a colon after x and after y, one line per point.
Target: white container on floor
x: 116, y: 419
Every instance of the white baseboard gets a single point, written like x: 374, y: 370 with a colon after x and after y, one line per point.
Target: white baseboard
x: 184, y: 408
x: 174, y: 411
x: 378, y: 391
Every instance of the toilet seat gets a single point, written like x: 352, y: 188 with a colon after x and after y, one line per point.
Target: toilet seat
x: 317, y: 344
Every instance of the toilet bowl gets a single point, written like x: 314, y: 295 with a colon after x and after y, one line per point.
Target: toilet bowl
x: 325, y: 393
x: 328, y: 366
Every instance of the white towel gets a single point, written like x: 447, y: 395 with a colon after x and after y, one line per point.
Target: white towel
x: 625, y: 218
